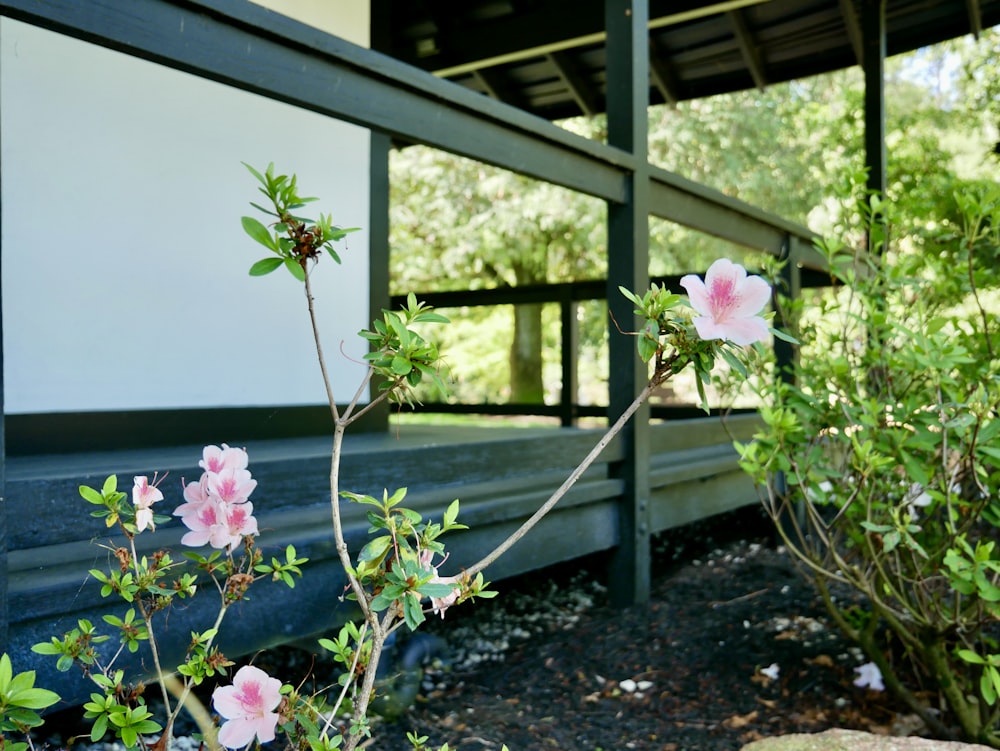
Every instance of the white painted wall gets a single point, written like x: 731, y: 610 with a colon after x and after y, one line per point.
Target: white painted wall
x: 124, y: 266
x: 347, y: 19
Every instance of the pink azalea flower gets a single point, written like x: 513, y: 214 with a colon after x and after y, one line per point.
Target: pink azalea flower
x: 248, y: 707
x: 230, y: 484
x: 196, y: 494
x: 215, y: 458
x: 440, y: 604
x: 728, y: 303
x: 144, y: 496
x: 219, y: 524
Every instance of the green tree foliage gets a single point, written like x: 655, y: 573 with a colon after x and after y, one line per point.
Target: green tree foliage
x: 458, y: 224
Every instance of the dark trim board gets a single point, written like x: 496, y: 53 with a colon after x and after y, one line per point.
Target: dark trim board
x: 71, y: 432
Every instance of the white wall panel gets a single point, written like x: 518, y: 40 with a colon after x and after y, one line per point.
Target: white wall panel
x: 124, y: 266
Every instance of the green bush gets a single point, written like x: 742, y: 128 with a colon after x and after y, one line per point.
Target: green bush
x: 880, y: 454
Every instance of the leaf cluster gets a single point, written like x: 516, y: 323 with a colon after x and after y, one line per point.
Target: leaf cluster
x: 400, y: 355
x: 294, y: 240
x: 19, y: 702
x: 395, y: 562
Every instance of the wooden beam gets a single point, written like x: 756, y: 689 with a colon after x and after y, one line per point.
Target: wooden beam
x: 4, y: 610
x: 748, y: 47
x: 491, y: 81
x: 975, y: 13
x: 664, y: 78
x: 853, y: 28
x: 707, y: 210
x: 579, y: 89
x: 873, y: 26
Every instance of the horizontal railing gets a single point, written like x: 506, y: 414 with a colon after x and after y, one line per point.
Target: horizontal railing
x: 567, y: 295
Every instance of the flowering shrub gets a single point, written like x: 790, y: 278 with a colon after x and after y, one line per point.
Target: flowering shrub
x: 881, y: 466
x: 394, y: 578
x: 218, y: 513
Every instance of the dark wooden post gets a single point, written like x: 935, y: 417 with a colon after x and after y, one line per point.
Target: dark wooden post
x: 873, y: 33
x: 378, y: 208
x: 790, y: 285
x: 785, y: 357
x: 570, y: 342
x: 628, y: 266
x: 4, y: 614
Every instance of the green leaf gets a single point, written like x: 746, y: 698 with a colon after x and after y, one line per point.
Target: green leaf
x: 436, y: 590
x: 451, y: 514
x: 779, y: 334
x: 988, y: 683
x: 401, y: 365
x: 110, y: 485
x: 259, y: 232
x: 6, y: 673
x: 255, y: 173
x: 34, y: 698
x: 99, y: 728
x: 971, y: 657
x: 295, y: 269
x: 265, y: 266
x: 91, y: 496
x: 375, y: 549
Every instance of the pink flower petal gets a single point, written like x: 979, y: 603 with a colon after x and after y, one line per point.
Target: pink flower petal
x: 728, y: 303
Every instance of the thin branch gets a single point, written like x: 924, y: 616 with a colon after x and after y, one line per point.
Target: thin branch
x: 567, y: 484
x: 319, y: 350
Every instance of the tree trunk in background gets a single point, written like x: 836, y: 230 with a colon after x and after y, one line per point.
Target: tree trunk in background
x: 526, y: 347
x: 526, y: 356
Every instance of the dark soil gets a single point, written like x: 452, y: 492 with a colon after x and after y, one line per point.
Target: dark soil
x: 720, y: 610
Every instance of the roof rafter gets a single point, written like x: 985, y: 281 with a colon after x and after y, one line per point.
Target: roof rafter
x: 748, y: 47
x: 975, y: 17
x: 579, y: 89
x: 662, y: 74
x: 853, y: 26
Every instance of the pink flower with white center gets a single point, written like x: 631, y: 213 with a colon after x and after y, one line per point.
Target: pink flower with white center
x: 216, y: 459
x: 219, y: 524
x: 231, y: 485
x: 248, y: 707
x: 728, y: 303
x: 144, y: 496
x: 201, y: 521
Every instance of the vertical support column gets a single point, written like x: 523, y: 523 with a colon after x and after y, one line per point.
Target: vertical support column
x: 569, y: 346
x: 785, y: 354
x: 786, y: 357
x: 626, y: 22
x: 4, y: 612
x: 378, y: 200
x: 873, y: 61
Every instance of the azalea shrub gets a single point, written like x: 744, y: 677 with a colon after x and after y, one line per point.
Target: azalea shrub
x: 880, y: 456
x: 394, y: 578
